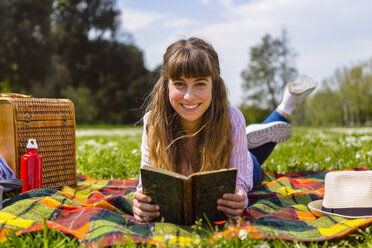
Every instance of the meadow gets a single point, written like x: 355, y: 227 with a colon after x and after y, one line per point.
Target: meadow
x: 107, y: 152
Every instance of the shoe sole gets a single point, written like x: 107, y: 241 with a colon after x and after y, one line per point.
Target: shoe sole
x: 277, y: 132
x: 303, y: 85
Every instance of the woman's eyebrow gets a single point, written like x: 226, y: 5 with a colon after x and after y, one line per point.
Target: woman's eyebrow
x: 178, y: 79
x: 201, y: 79
x: 197, y: 79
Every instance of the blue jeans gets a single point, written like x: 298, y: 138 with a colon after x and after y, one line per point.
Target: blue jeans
x: 261, y: 153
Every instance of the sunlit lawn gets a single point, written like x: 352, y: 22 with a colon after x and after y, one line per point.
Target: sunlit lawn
x: 114, y: 153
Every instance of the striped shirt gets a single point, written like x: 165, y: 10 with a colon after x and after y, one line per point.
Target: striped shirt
x: 240, y: 157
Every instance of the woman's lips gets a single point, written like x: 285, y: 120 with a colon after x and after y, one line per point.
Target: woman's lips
x: 190, y: 107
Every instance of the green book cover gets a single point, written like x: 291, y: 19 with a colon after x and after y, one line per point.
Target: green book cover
x: 181, y: 199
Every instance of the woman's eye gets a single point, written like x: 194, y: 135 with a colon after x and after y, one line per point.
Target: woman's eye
x: 201, y: 84
x: 178, y: 84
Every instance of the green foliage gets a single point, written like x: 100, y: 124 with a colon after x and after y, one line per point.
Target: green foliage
x: 25, y: 50
x: 269, y: 70
x: 322, y: 108
x: 112, y: 72
x: 85, y: 110
x: 356, y: 90
x: 344, y: 99
x: 69, y: 49
x: 5, y: 87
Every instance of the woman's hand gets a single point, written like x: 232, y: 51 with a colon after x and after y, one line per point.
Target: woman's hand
x: 232, y: 204
x: 142, y: 209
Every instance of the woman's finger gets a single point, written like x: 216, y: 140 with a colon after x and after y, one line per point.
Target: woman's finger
x: 142, y: 209
x: 232, y: 197
x: 238, y: 196
x: 145, y: 206
x: 141, y: 213
x: 231, y: 204
x: 144, y: 216
x: 141, y: 197
x: 230, y: 211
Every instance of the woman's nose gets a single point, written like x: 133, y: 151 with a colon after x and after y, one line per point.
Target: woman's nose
x: 189, y: 94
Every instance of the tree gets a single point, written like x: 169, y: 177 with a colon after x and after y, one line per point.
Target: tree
x: 119, y: 81
x: 269, y: 70
x: 68, y: 48
x: 344, y: 99
x: 112, y: 71
x: 355, y: 87
x: 322, y: 108
x: 78, y: 24
x: 25, y: 43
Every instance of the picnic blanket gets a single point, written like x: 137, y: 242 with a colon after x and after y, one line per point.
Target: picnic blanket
x: 99, y: 213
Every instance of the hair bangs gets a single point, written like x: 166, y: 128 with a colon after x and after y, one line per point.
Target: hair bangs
x: 190, y: 64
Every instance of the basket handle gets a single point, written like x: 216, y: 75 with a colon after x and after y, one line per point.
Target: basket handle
x: 14, y: 95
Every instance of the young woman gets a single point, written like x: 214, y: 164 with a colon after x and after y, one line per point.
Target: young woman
x: 190, y: 126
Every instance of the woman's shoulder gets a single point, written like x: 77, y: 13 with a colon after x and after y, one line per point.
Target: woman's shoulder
x: 145, y: 117
x: 236, y: 116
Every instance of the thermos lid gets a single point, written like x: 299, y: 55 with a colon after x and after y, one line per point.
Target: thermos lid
x: 31, y: 144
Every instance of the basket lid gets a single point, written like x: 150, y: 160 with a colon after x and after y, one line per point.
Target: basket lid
x: 14, y: 95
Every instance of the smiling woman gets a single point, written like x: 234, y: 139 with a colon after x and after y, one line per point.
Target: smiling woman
x: 190, y: 126
x: 182, y: 117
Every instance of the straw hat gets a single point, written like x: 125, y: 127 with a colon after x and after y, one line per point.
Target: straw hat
x: 347, y: 194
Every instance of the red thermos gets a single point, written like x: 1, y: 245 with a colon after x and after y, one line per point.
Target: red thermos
x: 31, y: 167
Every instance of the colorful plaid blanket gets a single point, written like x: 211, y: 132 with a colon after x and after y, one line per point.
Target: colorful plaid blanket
x: 99, y: 213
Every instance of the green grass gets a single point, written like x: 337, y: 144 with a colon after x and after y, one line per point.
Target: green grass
x: 45, y: 238
x: 108, y: 157
x: 108, y: 152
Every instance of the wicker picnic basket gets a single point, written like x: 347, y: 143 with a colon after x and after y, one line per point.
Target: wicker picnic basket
x: 52, y: 123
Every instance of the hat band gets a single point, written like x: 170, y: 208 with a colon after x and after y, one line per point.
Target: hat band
x: 349, y: 211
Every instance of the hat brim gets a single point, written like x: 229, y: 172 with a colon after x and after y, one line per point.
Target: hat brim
x: 316, y: 208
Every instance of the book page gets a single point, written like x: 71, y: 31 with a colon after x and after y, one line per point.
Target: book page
x: 208, y: 187
x: 167, y: 191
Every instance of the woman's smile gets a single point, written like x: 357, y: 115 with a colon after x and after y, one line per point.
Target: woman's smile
x: 189, y: 107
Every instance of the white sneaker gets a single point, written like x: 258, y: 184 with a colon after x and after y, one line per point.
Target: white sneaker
x: 259, y: 134
x: 303, y: 86
x: 296, y: 92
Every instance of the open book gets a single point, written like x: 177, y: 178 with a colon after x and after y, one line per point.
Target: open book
x: 181, y: 199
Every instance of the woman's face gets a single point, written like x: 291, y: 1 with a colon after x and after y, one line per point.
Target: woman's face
x: 190, y: 98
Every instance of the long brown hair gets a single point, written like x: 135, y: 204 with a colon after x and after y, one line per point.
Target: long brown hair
x: 166, y: 138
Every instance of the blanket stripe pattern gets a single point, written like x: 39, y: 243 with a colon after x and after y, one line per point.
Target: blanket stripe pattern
x: 99, y: 213
x: 278, y: 209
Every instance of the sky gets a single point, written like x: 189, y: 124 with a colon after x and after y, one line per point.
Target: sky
x: 325, y: 34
